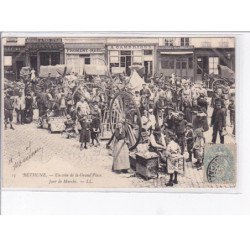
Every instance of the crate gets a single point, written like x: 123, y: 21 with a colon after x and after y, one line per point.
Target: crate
x: 56, y: 124
x: 147, y: 167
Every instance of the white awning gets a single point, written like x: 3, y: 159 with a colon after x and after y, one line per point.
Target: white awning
x: 177, y: 52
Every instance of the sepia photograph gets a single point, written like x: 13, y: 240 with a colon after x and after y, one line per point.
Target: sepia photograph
x: 119, y: 112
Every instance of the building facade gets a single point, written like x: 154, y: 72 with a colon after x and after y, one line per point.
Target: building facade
x: 189, y: 57
x: 14, y: 57
x: 80, y: 52
x: 42, y: 51
x: 125, y: 52
x: 175, y: 55
x: 193, y: 57
x: 209, y: 53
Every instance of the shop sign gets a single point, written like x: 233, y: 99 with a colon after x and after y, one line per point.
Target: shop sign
x: 130, y: 47
x: 43, y: 40
x: 48, y: 46
x: 84, y: 50
x: 13, y: 48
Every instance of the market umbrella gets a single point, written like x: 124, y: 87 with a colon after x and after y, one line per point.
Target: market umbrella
x: 139, y: 69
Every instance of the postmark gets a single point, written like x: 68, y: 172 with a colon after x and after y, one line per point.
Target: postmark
x: 220, y: 163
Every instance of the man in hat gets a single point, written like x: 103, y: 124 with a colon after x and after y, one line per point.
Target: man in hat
x: 169, y: 120
x: 144, y: 91
x: 189, y: 141
x: 218, y: 121
x: 180, y: 129
x: 8, y: 110
x: 20, y: 105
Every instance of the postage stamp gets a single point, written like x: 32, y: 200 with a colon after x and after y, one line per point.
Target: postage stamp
x: 132, y: 111
x: 220, y: 163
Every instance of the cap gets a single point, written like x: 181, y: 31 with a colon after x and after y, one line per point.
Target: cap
x: 150, y: 110
x: 189, y: 125
x: 180, y: 113
x: 218, y: 101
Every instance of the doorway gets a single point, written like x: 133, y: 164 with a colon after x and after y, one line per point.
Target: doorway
x: 148, y: 68
x: 202, y: 68
x: 49, y: 58
x: 126, y: 61
x: 181, y: 67
x: 19, y: 65
x: 33, y: 62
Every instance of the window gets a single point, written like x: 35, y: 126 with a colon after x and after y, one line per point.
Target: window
x: 190, y: 62
x: 123, y: 61
x: 114, y: 59
x: 137, y: 59
x: 213, y: 65
x: 171, y: 64
x: 169, y: 42
x: 184, y: 65
x: 164, y: 64
x: 199, y: 65
x: 114, y: 65
x: 87, y: 60
x: 7, y: 60
x: 148, y: 52
x: 184, y: 41
x: 167, y: 64
x: 178, y: 65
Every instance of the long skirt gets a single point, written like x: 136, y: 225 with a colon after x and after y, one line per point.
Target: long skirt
x: 175, y: 165
x: 120, y: 156
x: 188, y: 114
x: 84, y: 136
x: 199, y: 153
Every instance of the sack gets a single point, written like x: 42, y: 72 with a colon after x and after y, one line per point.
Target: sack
x: 224, y: 132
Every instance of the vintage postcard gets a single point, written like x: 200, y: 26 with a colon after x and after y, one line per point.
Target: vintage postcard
x: 137, y: 111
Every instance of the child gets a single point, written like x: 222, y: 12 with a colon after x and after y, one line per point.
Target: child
x: 180, y: 129
x: 231, y: 108
x: 189, y: 140
x: 199, y: 144
x: 174, y: 157
x: 85, y: 129
x: 69, y: 126
x: 62, y: 105
x: 95, y: 129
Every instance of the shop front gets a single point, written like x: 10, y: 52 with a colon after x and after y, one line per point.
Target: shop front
x: 80, y: 56
x: 121, y: 57
x: 14, y: 60
x: 177, y: 61
x: 208, y: 59
x: 43, y: 52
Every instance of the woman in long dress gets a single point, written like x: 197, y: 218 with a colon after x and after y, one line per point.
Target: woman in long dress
x: 120, y: 150
x: 85, y: 132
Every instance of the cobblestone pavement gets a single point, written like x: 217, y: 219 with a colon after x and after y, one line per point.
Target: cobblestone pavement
x: 35, y: 158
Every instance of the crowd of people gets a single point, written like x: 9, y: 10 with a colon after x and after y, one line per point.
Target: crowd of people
x: 174, y: 111
x: 174, y: 117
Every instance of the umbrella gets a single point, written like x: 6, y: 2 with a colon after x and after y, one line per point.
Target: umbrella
x: 139, y: 69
